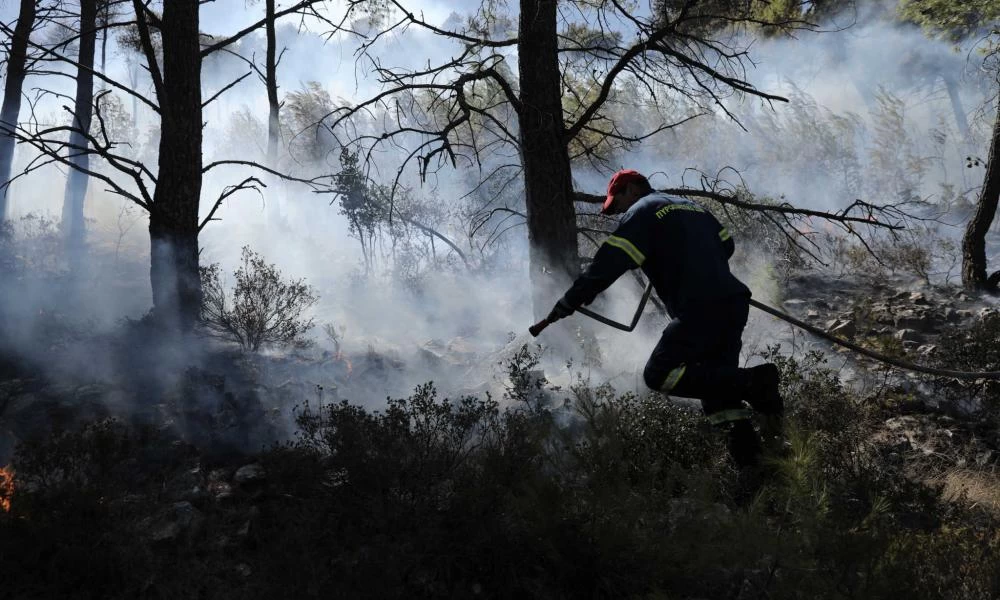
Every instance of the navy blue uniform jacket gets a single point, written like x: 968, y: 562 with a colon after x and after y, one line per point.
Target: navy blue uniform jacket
x: 680, y: 247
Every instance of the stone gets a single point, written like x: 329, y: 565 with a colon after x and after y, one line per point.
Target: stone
x: 909, y: 319
x: 249, y: 475
x: 908, y: 335
x: 845, y: 329
x: 918, y: 298
x: 181, y: 520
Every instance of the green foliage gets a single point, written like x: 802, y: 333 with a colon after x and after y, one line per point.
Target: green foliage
x: 264, y: 307
x: 951, y: 19
x: 303, y: 113
x: 30, y: 247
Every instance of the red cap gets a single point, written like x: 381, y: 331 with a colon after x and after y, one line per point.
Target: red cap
x: 618, y: 183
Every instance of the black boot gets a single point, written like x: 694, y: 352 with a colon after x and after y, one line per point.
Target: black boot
x: 743, y: 444
x: 762, y: 389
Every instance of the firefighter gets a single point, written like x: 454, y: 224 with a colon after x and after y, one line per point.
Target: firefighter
x: 685, y: 251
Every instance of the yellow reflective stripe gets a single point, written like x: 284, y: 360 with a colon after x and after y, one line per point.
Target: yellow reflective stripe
x: 724, y: 234
x: 627, y: 247
x: 730, y: 415
x: 672, y: 378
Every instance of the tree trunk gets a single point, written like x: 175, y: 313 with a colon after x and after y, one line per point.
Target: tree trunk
x: 273, y: 122
x: 974, y: 242
x: 17, y: 60
x: 173, y: 218
x: 76, y: 183
x: 271, y: 75
x: 553, y: 253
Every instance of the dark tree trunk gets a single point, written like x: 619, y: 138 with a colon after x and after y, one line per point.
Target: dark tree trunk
x: 104, y: 38
x: 83, y: 108
x: 553, y: 253
x: 17, y: 60
x: 974, y: 242
x: 173, y: 218
x: 271, y: 74
x: 273, y: 122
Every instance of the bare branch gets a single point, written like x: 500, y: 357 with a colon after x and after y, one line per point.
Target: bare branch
x: 147, y: 48
x: 250, y: 183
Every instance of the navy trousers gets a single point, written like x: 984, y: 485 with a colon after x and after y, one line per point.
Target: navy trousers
x: 698, y: 357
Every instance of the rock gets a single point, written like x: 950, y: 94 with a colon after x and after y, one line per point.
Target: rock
x: 249, y: 475
x: 793, y: 302
x: 927, y: 350
x: 919, y: 299
x: 908, y: 335
x: 179, y: 521
x: 220, y: 489
x: 186, y: 486
x: 843, y: 328
x: 909, y: 319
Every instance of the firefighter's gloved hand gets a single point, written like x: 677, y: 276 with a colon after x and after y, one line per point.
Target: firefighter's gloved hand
x: 560, y: 311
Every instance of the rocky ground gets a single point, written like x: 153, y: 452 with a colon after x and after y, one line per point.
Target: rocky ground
x: 929, y: 422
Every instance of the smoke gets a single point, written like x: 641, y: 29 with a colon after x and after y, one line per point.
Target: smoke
x: 870, y: 116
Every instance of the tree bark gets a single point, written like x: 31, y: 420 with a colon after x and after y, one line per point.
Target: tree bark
x: 974, y: 242
x: 17, y: 61
x: 76, y: 182
x: 273, y: 122
x: 173, y: 218
x: 271, y: 76
x: 553, y: 252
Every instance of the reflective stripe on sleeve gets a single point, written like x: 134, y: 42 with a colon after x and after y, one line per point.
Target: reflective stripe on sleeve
x: 672, y: 378
x: 627, y: 247
x: 730, y: 415
x: 724, y: 234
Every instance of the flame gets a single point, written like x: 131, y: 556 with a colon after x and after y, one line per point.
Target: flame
x: 6, y: 487
x: 343, y: 357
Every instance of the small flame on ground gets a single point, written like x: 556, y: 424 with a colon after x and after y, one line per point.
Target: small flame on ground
x: 342, y: 357
x: 6, y: 487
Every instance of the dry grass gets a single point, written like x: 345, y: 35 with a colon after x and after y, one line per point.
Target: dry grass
x: 979, y: 488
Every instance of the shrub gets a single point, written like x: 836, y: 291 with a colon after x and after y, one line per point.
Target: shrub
x: 263, y: 309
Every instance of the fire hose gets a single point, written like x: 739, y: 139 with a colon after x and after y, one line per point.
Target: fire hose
x: 889, y: 360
